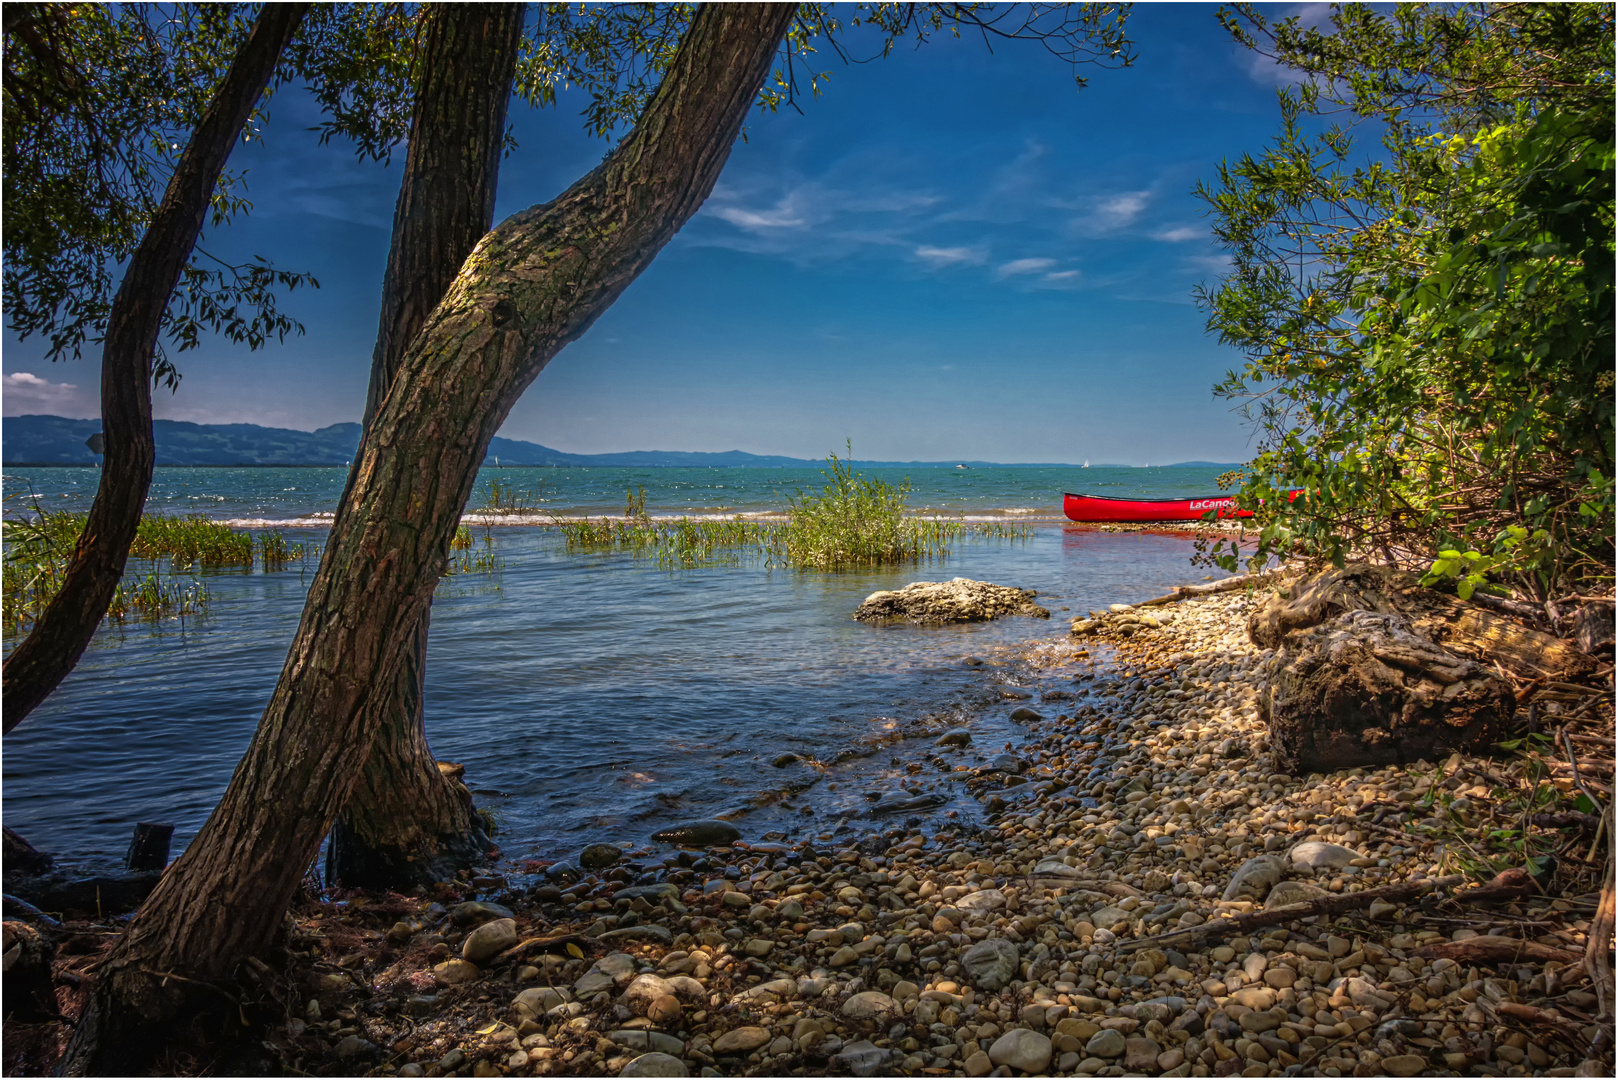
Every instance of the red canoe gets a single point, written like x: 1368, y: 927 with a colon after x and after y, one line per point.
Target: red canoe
x: 1101, y: 508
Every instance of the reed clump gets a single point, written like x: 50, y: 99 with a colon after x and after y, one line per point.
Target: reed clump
x: 853, y: 523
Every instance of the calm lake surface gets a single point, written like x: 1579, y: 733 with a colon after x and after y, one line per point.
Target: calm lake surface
x: 591, y: 697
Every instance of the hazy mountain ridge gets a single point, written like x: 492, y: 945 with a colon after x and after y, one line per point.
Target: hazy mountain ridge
x: 57, y: 440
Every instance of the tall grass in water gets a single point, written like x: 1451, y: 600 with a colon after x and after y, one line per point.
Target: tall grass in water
x: 469, y: 557
x: 853, y: 523
x: 38, y: 547
x: 505, y: 497
x: 857, y: 522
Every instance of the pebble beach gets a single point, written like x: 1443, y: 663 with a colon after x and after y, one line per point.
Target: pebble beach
x: 1064, y: 937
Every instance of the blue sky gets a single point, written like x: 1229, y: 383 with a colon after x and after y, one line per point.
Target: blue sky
x: 949, y: 254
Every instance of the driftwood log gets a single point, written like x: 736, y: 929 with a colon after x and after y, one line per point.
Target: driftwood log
x: 1496, y: 950
x: 1230, y: 584
x: 1455, y: 624
x: 1325, y: 905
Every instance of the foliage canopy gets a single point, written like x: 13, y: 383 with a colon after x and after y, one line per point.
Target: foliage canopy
x: 1428, y: 327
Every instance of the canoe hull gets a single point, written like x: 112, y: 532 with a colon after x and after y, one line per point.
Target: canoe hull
x: 1100, y: 508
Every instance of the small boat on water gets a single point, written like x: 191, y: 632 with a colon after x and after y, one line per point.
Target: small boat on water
x: 1102, y: 508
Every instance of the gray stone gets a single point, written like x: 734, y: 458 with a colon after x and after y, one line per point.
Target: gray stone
x: 655, y: 1064
x: 1140, y: 1054
x: 537, y: 1001
x: 990, y: 964
x: 641, y: 932
x: 650, y: 893
x: 1007, y: 763
x: 1254, y: 878
x: 355, y: 1047
x: 1022, y: 1049
x: 645, y: 989
x: 982, y: 900
x: 699, y: 834
x: 1105, y: 1043
x: 653, y: 1041
x: 490, y: 939
x: 871, y: 1005
x: 1110, y: 916
x: 864, y: 1059
x: 1025, y: 715
x: 1292, y: 892
x: 600, y: 856
x: 1319, y: 855
x: 742, y: 1040
x: 957, y: 737
x: 477, y: 911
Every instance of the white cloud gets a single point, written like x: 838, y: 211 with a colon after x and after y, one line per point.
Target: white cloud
x: 1023, y: 266
x: 1112, y: 213
x: 27, y: 393
x: 1178, y: 234
x: 785, y: 215
x: 938, y: 256
x: 1062, y: 275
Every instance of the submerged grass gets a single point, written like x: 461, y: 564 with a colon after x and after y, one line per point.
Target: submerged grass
x: 853, y: 523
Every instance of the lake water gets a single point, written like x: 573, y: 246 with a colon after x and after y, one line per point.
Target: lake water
x: 591, y: 697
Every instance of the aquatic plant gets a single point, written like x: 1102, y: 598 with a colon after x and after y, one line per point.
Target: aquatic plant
x: 505, y: 497
x: 37, y: 550
x: 857, y: 522
x: 467, y: 556
x: 39, y: 544
x: 854, y: 523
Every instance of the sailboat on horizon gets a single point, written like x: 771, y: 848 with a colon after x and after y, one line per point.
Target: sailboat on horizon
x: 1086, y: 464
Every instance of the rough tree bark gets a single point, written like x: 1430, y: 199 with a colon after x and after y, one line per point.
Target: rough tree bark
x: 534, y: 284
x: 407, y: 822
x: 69, y: 621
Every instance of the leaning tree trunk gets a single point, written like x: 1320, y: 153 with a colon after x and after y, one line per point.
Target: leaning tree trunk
x: 69, y: 621
x: 407, y: 823
x: 533, y: 285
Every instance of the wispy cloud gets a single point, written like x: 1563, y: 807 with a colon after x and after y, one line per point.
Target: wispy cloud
x: 950, y: 256
x: 1063, y: 275
x: 1023, y: 266
x: 1178, y: 234
x: 25, y: 392
x: 1111, y: 213
x: 786, y: 214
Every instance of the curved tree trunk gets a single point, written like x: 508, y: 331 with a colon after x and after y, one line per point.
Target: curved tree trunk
x: 533, y: 285
x: 69, y: 621
x: 406, y: 822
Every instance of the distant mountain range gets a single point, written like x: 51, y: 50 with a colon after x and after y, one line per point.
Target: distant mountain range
x: 57, y: 440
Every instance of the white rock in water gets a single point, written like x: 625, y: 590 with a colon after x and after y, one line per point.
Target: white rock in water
x: 959, y: 600
x: 1319, y: 855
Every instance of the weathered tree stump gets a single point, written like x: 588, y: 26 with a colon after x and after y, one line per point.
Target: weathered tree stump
x: 149, y: 848
x: 1365, y: 690
x: 1458, y: 626
x: 26, y: 954
x: 21, y: 857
